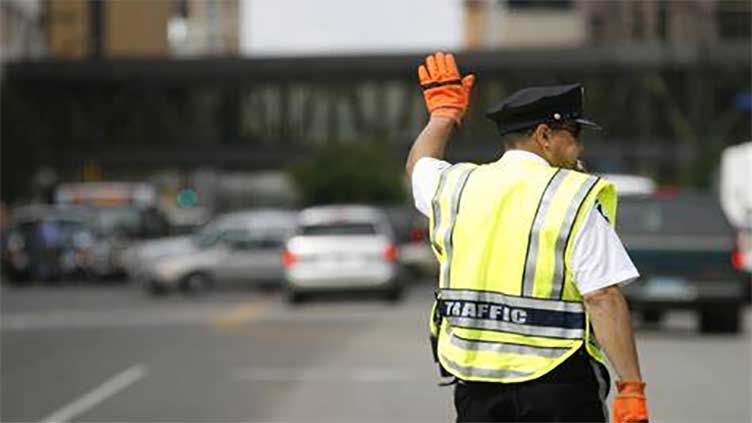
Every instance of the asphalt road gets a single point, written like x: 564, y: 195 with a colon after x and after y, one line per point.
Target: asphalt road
x: 111, y: 353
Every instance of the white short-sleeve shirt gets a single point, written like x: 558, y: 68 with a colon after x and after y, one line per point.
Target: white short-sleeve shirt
x: 599, y: 259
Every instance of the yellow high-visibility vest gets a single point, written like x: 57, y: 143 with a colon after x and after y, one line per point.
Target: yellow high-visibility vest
x: 507, y: 308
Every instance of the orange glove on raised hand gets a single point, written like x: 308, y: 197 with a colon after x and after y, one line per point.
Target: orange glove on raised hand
x: 629, y: 404
x: 445, y: 91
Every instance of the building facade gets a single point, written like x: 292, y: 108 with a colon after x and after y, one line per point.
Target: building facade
x: 113, y: 29
x: 22, y: 32
x: 493, y: 24
x: 201, y: 27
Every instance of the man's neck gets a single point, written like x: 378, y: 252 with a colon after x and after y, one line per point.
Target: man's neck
x: 529, y: 150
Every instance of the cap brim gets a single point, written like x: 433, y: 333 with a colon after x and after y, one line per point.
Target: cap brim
x: 589, y: 124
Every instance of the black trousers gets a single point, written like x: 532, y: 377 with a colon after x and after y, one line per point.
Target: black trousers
x: 575, y: 391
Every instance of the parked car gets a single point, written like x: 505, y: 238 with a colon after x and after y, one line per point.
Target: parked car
x: 47, y: 243
x: 342, y: 248
x: 116, y: 229
x: 141, y: 255
x: 683, y: 247
x: 238, y: 248
x: 415, y: 253
x: 736, y: 199
x: 411, y: 235
x: 122, y: 213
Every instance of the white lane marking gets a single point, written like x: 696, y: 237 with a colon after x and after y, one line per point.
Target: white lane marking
x: 92, y: 399
x: 287, y: 374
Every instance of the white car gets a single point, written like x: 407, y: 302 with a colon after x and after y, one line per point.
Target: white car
x: 736, y: 200
x: 629, y: 185
x: 137, y: 258
x: 238, y: 248
x: 342, y: 248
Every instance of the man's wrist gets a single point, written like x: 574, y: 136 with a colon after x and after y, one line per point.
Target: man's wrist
x: 626, y: 382
x: 443, y: 119
x: 631, y: 387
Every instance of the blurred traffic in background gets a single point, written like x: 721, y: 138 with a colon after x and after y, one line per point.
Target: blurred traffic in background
x: 155, y: 153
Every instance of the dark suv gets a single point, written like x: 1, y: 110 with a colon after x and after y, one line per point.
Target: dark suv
x: 683, y: 245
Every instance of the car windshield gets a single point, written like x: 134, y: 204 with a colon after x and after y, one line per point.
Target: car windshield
x: 212, y: 232
x: 340, y: 228
x: 118, y: 220
x: 696, y: 215
x: 206, y: 239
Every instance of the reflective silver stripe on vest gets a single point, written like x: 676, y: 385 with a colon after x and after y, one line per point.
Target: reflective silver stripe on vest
x: 436, y: 205
x: 470, y: 372
x: 521, y: 329
x: 531, y: 261
x: 512, y: 300
x: 506, y: 348
x: 565, y: 231
x: 453, y: 210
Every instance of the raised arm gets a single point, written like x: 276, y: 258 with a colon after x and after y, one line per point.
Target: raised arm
x: 447, y: 96
x: 431, y: 141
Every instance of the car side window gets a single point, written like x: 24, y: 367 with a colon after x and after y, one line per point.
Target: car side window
x: 239, y: 244
x: 248, y: 244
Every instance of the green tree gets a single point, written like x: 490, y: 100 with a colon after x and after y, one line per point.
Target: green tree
x: 348, y: 173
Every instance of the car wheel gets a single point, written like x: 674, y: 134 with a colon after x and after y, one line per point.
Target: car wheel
x: 156, y: 289
x: 720, y: 321
x: 395, y: 293
x: 295, y: 297
x: 196, y: 283
x: 15, y: 279
x: 652, y: 317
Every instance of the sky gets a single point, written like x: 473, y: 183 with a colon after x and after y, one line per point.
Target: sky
x: 311, y: 27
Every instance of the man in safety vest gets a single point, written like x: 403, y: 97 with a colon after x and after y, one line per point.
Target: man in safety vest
x: 530, y: 265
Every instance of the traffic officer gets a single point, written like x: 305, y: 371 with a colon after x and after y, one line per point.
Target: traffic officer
x: 530, y: 264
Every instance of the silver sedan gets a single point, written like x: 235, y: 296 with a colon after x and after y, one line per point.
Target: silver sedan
x: 246, y: 248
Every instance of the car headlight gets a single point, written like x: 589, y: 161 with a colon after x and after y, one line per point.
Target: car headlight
x: 169, y: 270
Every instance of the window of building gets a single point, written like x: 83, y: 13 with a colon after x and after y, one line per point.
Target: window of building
x: 662, y: 20
x: 96, y: 40
x: 181, y: 8
x: 539, y: 4
x: 734, y: 19
x: 638, y: 22
x: 597, y: 28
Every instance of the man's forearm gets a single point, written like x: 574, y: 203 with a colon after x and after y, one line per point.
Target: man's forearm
x: 609, y: 314
x: 431, y: 142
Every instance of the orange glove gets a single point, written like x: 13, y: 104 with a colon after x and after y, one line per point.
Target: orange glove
x: 629, y: 404
x: 445, y: 91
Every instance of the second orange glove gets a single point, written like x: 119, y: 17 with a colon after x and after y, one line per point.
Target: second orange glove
x: 445, y: 91
x: 630, y: 405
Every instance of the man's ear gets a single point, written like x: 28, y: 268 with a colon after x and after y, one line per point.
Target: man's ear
x: 541, y: 135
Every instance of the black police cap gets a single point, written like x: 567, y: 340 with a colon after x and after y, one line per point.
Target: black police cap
x: 531, y: 106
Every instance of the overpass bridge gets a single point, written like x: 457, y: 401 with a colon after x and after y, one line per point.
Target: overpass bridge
x: 668, y: 110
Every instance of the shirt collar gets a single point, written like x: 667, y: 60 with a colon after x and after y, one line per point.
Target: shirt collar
x: 522, y: 155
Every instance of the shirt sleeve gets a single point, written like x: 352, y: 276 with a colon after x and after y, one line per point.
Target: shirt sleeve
x: 425, y: 178
x: 599, y: 259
